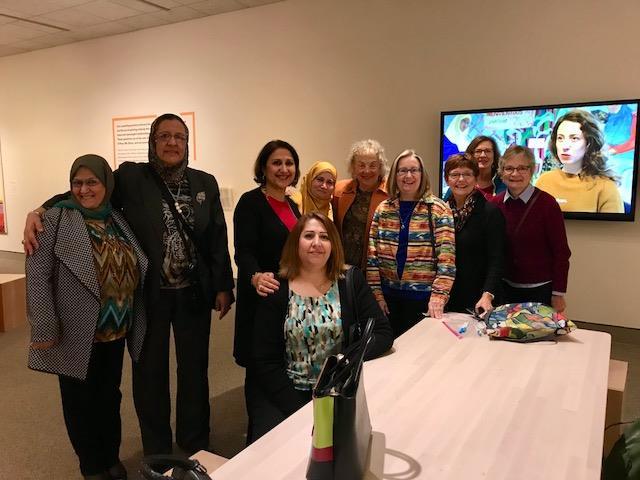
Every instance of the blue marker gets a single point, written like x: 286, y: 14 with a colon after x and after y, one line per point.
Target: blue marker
x: 463, y: 328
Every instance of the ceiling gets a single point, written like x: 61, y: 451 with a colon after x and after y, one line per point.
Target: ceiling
x: 27, y: 25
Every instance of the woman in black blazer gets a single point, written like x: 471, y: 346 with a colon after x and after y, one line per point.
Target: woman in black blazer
x: 262, y: 220
x: 309, y: 318
x: 480, y: 239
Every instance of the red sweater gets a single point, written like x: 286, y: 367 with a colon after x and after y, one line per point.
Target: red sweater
x: 539, y: 252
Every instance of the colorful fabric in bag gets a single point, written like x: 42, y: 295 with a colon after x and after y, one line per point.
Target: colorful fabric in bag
x: 527, y: 322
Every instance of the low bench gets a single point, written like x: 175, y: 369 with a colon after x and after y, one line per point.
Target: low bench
x: 13, y: 303
x: 615, y: 393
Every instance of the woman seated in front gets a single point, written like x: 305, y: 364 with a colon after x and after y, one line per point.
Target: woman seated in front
x: 309, y: 318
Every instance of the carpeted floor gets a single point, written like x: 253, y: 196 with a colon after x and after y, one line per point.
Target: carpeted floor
x: 33, y: 439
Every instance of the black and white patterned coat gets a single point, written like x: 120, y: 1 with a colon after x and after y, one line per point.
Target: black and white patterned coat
x: 63, y: 294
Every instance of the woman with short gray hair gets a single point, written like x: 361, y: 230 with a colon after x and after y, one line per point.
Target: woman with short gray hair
x: 355, y: 200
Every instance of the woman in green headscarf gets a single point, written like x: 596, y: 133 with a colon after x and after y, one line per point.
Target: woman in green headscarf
x: 84, y: 298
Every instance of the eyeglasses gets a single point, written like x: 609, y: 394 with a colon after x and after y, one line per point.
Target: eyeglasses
x: 91, y: 183
x: 479, y: 151
x: 405, y: 171
x: 519, y: 169
x: 164, y: 137
x: 466, y: 175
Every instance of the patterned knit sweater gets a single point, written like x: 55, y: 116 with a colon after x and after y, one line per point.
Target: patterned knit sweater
x: 422, y: 272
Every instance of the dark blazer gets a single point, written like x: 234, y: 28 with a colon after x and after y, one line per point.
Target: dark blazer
x: 480, y: 247
x: 63, y: 294
x: 259, y: 236
x: 269, y: 341
x: 139, y: 197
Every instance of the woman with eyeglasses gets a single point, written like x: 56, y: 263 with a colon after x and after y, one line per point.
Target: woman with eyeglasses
x: 537, y: 251
x: 176, y: 214
x: 262, y: 221
x: 316, y: 189
x: 484, y: 150
x: 480, y: 239
x: 411, y: 264
x: 355, y: 200
x: 84, y: 299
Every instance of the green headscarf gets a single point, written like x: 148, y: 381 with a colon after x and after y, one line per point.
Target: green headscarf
x: 101, y: 169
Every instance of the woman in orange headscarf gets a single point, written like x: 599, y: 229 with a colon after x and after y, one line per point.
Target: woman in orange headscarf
x: 317, y: 189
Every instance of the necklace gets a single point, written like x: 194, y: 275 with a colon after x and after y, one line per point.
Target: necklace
x: 406, y: 219
x: 176, y: 197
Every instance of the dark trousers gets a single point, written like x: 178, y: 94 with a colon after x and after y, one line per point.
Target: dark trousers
x: 263, y: 414
x: 404, y: 314
x: 191, y: 322
x: 540, y: 294
x: 92, y: 409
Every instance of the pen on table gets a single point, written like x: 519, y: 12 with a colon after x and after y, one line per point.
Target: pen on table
x: 458, y: 336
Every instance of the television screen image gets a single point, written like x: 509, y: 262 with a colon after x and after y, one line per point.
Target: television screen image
x: 586, y: 154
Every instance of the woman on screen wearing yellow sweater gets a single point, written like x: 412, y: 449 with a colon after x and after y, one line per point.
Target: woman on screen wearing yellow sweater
x: 584, y: 183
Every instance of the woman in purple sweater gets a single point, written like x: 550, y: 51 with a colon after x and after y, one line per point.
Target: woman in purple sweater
x: 538, y: 254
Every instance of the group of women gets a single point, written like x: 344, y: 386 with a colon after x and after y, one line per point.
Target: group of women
x: 301, y: 254
x: 495, y: 239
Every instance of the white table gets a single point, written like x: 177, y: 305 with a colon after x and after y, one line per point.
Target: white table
x: 467, y: 408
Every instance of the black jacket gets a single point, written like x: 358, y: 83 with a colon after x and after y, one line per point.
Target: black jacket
x: 269, y: 342
x: 480, y: 247
x: 259, y: 236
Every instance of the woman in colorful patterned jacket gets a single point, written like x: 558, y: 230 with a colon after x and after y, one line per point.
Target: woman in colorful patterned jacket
x: 84, y: 298
x: 411, y: 263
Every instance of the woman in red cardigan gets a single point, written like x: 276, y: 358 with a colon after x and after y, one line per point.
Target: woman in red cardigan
x: 538, y: 254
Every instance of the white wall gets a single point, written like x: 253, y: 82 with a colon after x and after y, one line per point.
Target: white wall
x: 322, y: 74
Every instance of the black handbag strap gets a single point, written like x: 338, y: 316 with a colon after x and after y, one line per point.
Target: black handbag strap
x: 346, y: 370
x: 356, y: 363
x: 351, y: 293
x: 181, y: 222
x: 355, y: 330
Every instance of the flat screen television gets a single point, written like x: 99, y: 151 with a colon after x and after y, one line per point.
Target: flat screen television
x: 610, y: 125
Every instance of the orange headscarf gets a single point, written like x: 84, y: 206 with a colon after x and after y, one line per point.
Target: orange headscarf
x: 309, y: 203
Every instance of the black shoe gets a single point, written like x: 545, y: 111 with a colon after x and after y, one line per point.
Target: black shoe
x: 117, y: 472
